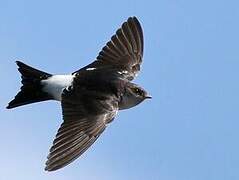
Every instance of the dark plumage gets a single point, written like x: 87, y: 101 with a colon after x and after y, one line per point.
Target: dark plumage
x: 90, y: 97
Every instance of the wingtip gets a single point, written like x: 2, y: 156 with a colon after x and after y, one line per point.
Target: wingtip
x: 47, y: 169
x: 50, y: 169
x: 131, y: 18
x: 19, y: 63
x: 134, y: 18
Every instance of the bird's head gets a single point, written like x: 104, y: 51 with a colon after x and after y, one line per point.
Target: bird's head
x: 132, y: 96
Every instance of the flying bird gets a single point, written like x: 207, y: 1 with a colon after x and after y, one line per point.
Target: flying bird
x: 90, y: 97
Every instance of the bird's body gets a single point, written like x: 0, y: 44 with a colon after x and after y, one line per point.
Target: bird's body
x: 90, y: 97
x: 55, y: 84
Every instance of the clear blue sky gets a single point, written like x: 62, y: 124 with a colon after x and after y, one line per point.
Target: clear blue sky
x: 188, y: 131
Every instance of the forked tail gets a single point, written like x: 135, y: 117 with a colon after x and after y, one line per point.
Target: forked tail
x: 31, y: 90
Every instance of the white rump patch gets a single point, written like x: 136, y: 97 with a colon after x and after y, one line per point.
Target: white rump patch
x: 55, y: 84
x: 90, y: 69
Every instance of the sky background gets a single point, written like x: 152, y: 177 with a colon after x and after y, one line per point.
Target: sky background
x: 188, y: 131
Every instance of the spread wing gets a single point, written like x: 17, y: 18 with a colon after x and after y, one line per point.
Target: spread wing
x: 84, y: 120
x: 124, y: 52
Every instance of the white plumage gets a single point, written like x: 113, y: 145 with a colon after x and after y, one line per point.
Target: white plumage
x: 90, y: 69
x: 55, y: 84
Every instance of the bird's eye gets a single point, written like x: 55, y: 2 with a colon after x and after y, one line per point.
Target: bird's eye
x: 137, y: 91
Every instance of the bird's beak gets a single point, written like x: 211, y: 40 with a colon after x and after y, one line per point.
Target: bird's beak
x: 148, y: 97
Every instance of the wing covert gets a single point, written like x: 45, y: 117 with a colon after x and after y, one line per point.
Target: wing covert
x: 124, y: 52
x: 80, y: 129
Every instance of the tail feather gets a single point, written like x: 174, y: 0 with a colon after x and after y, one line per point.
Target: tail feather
x: 31, y: 90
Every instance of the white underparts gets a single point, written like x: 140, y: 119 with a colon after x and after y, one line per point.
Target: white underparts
x: 55, y: 84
